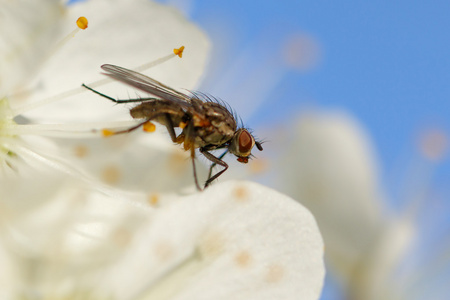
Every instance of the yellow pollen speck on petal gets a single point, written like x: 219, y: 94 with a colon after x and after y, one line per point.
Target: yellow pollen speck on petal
x: 121, y: 237
x: 240, y: 194
x: 82, y: 23
x: 153, y: 199
x: 163, y: 251
x: 274, y: 273
x: 107, y: 132
x: 178, y: 162
x: 111, y: 174
x: 179, y: 51
x: 211, y: 244
x: 149, y: 127
x: 81, y: 151
x: 243, y: 259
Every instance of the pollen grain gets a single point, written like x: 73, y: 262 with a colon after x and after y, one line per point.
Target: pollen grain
x: 111, y: 174
x: 274, y: 273
x: 212, y: 244
x: 149, y: 127
x: 81, y: 151
x: 163, y: 250
x: 240, y: 194
x: 243, y: 259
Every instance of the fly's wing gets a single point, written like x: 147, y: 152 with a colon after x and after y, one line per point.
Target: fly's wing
x: 147, y: 84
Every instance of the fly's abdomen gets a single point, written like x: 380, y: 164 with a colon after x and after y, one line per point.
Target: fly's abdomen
x: 158, y: 111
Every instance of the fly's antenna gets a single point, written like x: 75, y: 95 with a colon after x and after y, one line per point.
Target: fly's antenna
x: 259, y: 145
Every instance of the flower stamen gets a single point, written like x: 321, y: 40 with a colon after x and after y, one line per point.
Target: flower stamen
x: 176, y: 52
x: 95, y: 84
x: 64, y: 130
x: 82, y: 24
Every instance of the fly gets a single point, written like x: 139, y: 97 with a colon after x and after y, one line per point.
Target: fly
x: 207, y: 124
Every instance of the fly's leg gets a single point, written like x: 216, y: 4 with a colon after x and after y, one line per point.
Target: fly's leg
x: 133, y: 128
x: 217, y: 161
x: 118, y: 100
x: 170, y: 128
x: 214, y: 163
x: 126, y: 130
x: 189, y: 144
x: 195, y: 171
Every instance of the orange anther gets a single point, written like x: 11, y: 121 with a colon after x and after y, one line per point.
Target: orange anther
x: 82, y: 23
x: 107, y: 132
x: 179, y: 51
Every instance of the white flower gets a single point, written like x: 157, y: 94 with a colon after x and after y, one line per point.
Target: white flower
x: 27, y: 28
x: 330, y: 167
x: 238, y: 240
x: 119, y: 32
x: 68, y: 237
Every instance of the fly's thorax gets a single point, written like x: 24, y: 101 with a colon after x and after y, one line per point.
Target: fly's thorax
x: 219, y: 117
x: 214, y: 124
x: 241, y: 144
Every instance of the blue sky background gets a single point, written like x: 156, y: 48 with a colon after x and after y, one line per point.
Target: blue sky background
x: 386, y: 62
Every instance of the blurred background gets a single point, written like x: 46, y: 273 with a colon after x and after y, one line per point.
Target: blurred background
x: 352, y: 99
x: 385, y: 66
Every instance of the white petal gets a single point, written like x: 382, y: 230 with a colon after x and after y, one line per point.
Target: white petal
x: 58, y: 234
x: 330, y: 168
x: 148, y: 162
x: 377, y: 277
x: 235, y: 240
x: 27, y: 29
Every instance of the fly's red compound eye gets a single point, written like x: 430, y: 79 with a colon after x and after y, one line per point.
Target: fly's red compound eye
x: 245, y: 142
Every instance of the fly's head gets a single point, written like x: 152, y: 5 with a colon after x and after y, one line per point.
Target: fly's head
x: 242, y: 143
